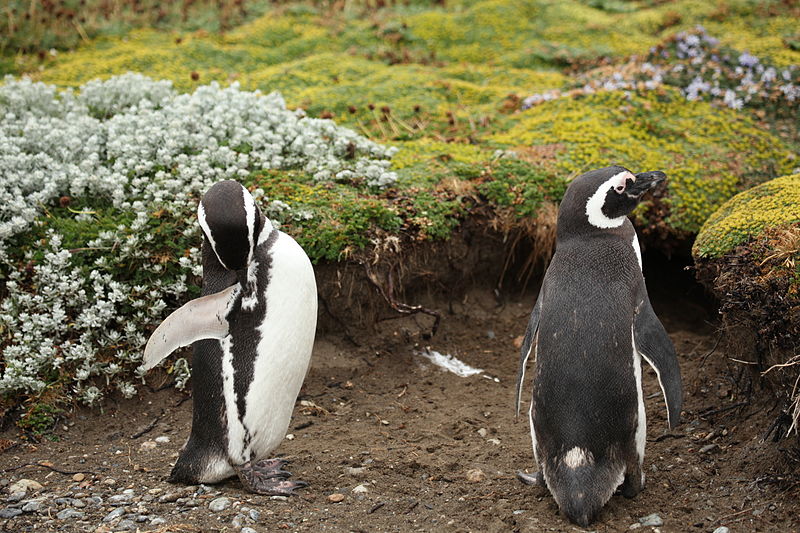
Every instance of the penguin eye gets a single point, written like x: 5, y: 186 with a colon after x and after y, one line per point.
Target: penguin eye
x: 619, y: 188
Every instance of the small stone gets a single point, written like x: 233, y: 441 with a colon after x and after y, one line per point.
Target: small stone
x: 361, y: 489
x: 119, y: 499
x: 126, y: 525
x: 154, y: 491
x: 113, y: 515
x: 70, y: 513
x: 32, y: 506
x: 635, y: 525
x: 148, y: 445
x: 219, y: 504
x: 290, y: 436
x: 16, y: 496
x: 353, y: 471
x: 163, y: 439
x: 169, y: 497
x: 24, y: 485
x: 336, y: 497
x: 109, y: 481
x: 254, y: 515
x: 279, y: 498
x: 8, y: 512
x: 496, y: 442
x: 475, y: 475
x: 142, y: 518
x: 157, y: 521
x: 722, y: 529
x: 490, y: 334
x: 652, y: 520
x: 79, y: 477
x: 708, y: 448
x: 238, y: 521
x: 483, y: 432
x: 518, y: 511
x: 248, y: 530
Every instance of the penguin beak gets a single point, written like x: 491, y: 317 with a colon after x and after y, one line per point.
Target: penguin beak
x: 644, y: 182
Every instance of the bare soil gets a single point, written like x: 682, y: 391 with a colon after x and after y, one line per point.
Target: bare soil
x: 410, y: 433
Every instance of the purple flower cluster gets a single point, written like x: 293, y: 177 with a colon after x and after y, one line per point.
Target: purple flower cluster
x: 694, y: 62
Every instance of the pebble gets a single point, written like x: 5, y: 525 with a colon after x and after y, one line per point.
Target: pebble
x: 361, y: 489
x: 518, y: 511
x: 157, y: 521
x: 336, y: 497
x: 126, y: 525
x: 708, y: 448
x: 722, y: 529
x: 651, y: 520
x: 254, y: 515
x: 32, y: 506
x: 148, y: 445
x: 163, y: 439
x: 70, y: 513
x: 279, y: 498
x: 79, y: 477
x: 238, y: 520
x: 113, y: 515
x: 15, y: 497
x: 119, y: 499
x: 475, y: 475
x: 219, y: 504
x: 494, y: 441
x: 169, y: 497
x: 248, y: 530
x: 109, y: 481
x: 24, y: 485
x: 8, y: 512
x: 483, y: 432
x: 353, y: 471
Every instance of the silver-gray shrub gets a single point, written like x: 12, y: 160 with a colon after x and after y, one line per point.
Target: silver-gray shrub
x: 137, y: 145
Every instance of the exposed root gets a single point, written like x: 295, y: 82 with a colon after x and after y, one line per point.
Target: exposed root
x: 387, y: 291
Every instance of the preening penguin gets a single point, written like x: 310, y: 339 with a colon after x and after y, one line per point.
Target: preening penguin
x: 590, y: 327
x: 253, y: 332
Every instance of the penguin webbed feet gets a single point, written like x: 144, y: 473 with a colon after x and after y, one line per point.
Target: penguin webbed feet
x: 268, y: 477
x: 531, y: 479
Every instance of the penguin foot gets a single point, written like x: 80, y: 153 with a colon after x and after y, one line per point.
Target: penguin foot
x: 531, y: 479
x: 268, y: 477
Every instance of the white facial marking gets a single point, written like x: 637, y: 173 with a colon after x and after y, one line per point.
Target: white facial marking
x: 637, y: 250
x: 641, y: 419
x: 201, y: 217
x: 594, y: 206
x: 577, y: 457
x: 250, y: 216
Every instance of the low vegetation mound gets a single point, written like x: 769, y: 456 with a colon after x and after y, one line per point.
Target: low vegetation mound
x: 748, y: 254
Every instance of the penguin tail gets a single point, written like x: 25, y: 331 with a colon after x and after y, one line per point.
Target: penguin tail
x: 581, y: 486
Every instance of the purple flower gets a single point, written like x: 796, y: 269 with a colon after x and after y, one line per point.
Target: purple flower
x: 748, y: 60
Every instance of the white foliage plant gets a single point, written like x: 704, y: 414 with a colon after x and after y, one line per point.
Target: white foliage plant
x: 139, y: 146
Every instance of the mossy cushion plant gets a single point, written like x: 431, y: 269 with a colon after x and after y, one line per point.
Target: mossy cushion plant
x: 748, y: 214
x: 708, y: 153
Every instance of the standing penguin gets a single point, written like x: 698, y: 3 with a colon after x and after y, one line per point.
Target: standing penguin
x: 253, y: 332
x: 590, y: 327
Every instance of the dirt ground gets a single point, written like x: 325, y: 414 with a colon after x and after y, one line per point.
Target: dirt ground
x: 386, y: 420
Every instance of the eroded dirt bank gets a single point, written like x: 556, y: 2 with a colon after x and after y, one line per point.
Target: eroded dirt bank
x: 413, y: 448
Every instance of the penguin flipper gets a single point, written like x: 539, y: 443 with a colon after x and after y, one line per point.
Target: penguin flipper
x: 655, y: 346
x: 528, y: 344
x: 201, y: 318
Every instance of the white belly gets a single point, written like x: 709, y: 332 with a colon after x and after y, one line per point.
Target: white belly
x: 283, y: 354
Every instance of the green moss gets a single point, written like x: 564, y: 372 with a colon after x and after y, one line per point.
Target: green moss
x: 709, y: 154
x: 40, y: 419
x: 521, y: 185
x: 748, y: 214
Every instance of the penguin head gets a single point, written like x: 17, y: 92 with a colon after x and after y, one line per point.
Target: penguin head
x: 232, y: 223
x: 604, y: 197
